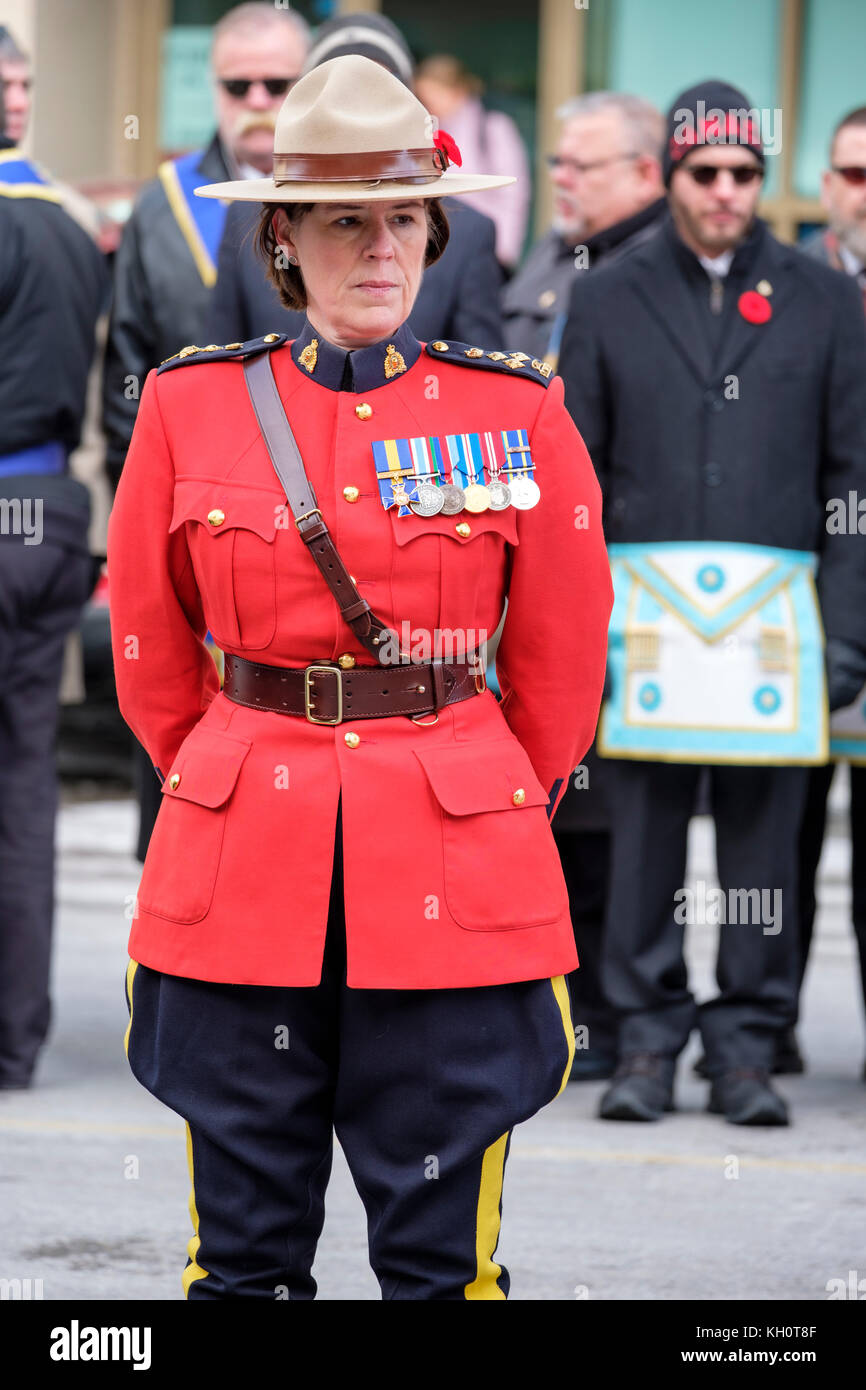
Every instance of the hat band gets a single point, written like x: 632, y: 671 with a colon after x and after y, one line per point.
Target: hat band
x: 411, y: 166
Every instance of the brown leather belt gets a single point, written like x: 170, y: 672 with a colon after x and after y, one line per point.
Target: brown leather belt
x: 325, y: 693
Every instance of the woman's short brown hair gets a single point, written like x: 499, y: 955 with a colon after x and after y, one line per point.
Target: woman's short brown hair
x: 288, y: 278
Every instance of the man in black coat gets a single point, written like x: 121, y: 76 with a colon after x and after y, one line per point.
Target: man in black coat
x: 52, y: 287
x: 717, y: 379
x: 458, y: 298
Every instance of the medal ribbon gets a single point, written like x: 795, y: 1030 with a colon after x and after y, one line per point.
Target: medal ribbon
x: 395, y: 469
x: 517, y: 442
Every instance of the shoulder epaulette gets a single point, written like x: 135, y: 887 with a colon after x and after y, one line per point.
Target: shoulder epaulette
x: 519, y: 363
x: 215, y: 353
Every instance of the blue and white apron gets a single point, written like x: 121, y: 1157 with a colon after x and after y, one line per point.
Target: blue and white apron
x: 715, y: 655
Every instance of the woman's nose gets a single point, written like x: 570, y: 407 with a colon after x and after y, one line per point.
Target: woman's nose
x: 380, y: 242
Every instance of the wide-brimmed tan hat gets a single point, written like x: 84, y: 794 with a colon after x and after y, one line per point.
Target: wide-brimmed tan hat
x: 352, y: 132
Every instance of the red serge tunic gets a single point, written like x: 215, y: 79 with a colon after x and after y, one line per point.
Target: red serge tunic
x: 450, y: 880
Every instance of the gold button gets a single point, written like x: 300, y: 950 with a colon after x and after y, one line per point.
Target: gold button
x: 174, y: 781
x: 271, y: 337
x: 347, y: 661
x: 440, y: 347
x: 352, y: 740
x: 351, y: 494
x: 519, y: 797
x: 463, y: 530
x: 363, y: 411
x: 216, y: 517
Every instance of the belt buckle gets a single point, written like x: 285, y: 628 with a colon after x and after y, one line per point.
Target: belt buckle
x: 328, y: 671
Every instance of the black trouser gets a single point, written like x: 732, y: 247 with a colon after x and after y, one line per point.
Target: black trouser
x: 42, y: 590
x: 422, y: 1088
x: 811, y: 842
x: 757, y: 813
x: 149, y: 793
x: 585, y: 856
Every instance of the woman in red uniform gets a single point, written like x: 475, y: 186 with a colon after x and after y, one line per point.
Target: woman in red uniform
x: 352, y: 917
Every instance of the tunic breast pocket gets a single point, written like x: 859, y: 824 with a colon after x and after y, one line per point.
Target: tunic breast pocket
x: 468, y: 550
x: 183, y: 857
x: 501, y: 866
x: 231, y: 533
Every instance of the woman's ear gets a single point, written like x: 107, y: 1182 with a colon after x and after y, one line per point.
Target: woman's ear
x: 283, y: 232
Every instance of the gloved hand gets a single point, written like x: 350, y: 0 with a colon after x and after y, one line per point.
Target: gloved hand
x: 846, y: 673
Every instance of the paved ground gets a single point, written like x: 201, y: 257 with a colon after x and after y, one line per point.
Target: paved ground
x: 591, y: 1209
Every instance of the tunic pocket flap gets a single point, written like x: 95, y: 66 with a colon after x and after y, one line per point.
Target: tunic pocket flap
x: 497, y: 523
x: 206, y: 768
x: 494, y: 776
x: 223, y: 507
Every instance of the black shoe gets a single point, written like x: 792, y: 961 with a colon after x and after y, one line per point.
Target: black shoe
x: 745, y: 1097
x: 788, y: 1060
x: 592, y: 1066
x: 642, y: 1088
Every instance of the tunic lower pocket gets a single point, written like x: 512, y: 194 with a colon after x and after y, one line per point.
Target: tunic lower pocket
x: 501, y: 864
x: 183, y: 857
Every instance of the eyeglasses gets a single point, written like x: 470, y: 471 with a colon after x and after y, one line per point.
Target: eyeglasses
x: 239, y: 86
x: 705, y: 174
x: 561, y: 161
x: 851, y: 173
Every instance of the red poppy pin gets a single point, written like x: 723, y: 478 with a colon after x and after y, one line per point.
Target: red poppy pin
x: 447, y: 147
x: 754, y: 307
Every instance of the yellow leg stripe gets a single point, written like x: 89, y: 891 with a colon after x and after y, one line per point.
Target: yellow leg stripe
x: 560, y: 990
x: 130, y: 976
x: 484, y: 1284
x: 193, y: 1271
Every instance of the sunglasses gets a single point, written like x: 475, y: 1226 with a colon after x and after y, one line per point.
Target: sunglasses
x: 851, y: 173
x: 705, y: 174
x: 239, y: 86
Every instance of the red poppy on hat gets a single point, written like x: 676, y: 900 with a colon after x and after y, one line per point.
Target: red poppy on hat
x: 754, y: 307
x: 447, y: 145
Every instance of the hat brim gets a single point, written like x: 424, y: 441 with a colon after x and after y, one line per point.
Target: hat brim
x: 266, y: 191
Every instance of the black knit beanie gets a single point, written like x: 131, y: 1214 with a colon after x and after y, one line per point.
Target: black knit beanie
x: 710, y: 113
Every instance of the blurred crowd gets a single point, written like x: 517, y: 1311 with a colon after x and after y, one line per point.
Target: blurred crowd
x: 649, y: 293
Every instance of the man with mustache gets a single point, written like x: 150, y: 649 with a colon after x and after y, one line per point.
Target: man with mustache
x: 165, y: 267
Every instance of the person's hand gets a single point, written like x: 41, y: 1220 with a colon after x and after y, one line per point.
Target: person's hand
x: 846, y: 673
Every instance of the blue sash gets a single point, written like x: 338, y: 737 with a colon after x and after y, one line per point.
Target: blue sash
x: 43, y: 458
x: 21, y: 178
x: 201, y: 220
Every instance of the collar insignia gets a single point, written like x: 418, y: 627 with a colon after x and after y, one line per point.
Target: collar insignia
x: 395, y: 363
x: 310, y: 355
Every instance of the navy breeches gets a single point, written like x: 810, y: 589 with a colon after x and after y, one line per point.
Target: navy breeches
x: 421, y: 1087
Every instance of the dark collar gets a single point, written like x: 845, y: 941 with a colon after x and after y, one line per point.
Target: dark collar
x: 744, y: 257
x: 609, y: 238
x: 216, y: 164
x: 365, y: 369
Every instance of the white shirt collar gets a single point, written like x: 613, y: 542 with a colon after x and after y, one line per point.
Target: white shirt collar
x: 717, y: 265
x: 849, y: 260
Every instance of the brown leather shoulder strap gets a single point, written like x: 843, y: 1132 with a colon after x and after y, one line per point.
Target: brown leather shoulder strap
x: 286, y: 458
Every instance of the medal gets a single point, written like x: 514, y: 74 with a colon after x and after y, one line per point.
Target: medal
x: 430, y: 501
x: 453, y: 499
x: 476, y: 498
x: 525, y: 492
x: 500, y: 495
x: 498, y: 491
